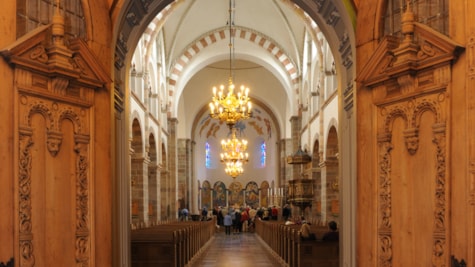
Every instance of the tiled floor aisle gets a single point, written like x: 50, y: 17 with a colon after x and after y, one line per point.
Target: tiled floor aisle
x: 242, y: 250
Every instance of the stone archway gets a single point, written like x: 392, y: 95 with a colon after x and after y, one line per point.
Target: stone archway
x: 335, y: 21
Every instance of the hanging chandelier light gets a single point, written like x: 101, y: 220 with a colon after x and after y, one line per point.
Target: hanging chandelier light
x: 230, y: 107
x: 234, y: 169
x: 234, y: 155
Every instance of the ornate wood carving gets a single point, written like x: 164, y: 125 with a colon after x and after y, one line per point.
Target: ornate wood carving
x: 58, y: 82
x: 54, y: 142
x: 27, y: 259
x: 411, y: 111
x: 82, y: 201
x: 405, y: 85
x: 385, y: 229
x: 471, y: 55
x: 54, y: 114
x: 440, y: 201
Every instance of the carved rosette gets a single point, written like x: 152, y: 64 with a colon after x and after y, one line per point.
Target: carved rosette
x: 27, y: 258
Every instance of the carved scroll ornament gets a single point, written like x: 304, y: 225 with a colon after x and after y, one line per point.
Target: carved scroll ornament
x: 27, y: 259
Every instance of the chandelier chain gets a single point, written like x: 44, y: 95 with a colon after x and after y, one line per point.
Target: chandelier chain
x: 231, y: 107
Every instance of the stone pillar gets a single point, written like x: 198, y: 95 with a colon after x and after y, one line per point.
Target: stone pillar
x: 181, y: 174
x: 172, y: 209
x: 184, y: 168
x: 140, y: 194
x: 164, y: 193
x: 328, y: 189
x: 154, y: 192
x: 295, y: 127
x: 194, y: 198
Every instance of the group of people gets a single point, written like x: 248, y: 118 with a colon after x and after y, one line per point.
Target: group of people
x: 238, y: 220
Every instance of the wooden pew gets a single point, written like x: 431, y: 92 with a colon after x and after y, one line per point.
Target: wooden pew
x: 286, y: 242
x: 154, y: 248
x: 173, y: 245
x: 319, y: 254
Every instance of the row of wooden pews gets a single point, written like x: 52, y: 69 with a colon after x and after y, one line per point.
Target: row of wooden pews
x: 174, y: 244
x: 285, y: 241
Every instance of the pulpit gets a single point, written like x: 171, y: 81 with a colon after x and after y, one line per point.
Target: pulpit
x: 300, y: 192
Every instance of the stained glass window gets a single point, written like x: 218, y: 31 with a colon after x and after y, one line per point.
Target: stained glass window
x: 263, y: 154
x: 208, y: 155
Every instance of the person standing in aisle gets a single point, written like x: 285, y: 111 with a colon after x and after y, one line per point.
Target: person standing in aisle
x: 228, y: 222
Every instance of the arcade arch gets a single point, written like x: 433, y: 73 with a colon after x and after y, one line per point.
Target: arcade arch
x: 336, y: 27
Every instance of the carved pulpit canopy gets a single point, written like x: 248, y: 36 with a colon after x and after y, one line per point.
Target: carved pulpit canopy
x: 299, y: 157
x: 421, y: 48
x: 44, y: 51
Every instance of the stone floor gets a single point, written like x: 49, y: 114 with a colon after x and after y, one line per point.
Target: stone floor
x: 236, y: 250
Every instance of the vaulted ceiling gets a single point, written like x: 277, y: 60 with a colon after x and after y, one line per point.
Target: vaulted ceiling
x: 268, y: 48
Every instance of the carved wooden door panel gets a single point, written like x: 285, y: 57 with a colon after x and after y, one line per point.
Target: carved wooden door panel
x: 409, y: 82
x: 55, y: 85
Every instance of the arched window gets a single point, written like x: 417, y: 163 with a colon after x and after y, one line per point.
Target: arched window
x: 433, y: 13
x: 207, y: 155
x: 263, y: 154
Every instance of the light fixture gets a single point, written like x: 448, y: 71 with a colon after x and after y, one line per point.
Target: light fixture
x: 230, y: 107
x: 234, y: 169
x: 234, y: 155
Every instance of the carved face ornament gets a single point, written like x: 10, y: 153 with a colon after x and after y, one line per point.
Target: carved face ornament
x: 53, y: 144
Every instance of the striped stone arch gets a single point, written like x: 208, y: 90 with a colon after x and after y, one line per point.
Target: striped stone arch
x: 153, y: 28
x: 240, y: 32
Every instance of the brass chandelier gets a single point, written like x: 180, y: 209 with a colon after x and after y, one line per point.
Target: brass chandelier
x: 234, y: 169
x: 234, y: 155
x: 231, y: 107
